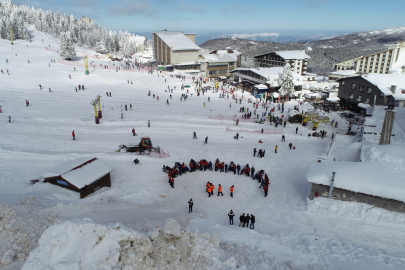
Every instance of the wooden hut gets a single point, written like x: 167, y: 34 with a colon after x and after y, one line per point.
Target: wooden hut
x: 82, y: 175
x: 294, y: 117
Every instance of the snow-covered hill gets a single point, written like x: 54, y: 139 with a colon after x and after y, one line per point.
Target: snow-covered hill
x: 324, y: 52
x: 140, y: 198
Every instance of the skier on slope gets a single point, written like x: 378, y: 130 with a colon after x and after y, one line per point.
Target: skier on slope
x: 73, y: 134
x: 190, y: 205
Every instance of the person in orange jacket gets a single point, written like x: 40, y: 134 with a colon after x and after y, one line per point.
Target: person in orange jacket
x: 209, y: 189
x: 220, y: 190
x: 212, y: 189
x: 207, y: 186
x: 231, y: 189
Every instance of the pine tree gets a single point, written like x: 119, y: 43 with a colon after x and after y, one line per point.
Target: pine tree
x: 67, y: 48
x: 286, y: 81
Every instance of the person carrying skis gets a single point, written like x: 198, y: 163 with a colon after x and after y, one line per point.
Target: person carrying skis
x: 190, y: 205
x: 220, y: 190
x: 231, y: 189
x: 73, y: 134
x: 231, y: 215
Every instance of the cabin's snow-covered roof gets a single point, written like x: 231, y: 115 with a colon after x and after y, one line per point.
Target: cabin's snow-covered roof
x: 177, y: 41
x: 344, y: 72
x: 260, y: 86
x: 83, y: 174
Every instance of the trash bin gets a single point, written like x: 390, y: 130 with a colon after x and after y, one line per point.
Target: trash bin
x: 97, y: 120
x: 100, y: 114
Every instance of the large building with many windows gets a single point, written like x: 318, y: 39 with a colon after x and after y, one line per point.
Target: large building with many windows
x: 298, y: 60
x: 176, y: 49
x: 382, y: 62
x: 219, y: 63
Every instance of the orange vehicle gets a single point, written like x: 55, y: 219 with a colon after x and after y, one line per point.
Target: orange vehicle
x: 144, y: 147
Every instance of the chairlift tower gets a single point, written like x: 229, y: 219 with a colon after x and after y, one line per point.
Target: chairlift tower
x: 387, y: 127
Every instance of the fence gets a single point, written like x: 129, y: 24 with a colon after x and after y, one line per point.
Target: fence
x: 265, y: 131
x: 232, y: 118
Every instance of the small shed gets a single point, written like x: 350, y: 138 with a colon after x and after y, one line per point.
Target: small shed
x: 259, y: 89
x: 294, y: 117
x: 82, y: 175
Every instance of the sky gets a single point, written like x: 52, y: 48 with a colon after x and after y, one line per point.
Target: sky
x: 232, y: 16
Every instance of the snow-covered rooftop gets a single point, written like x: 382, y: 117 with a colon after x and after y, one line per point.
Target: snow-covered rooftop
x: 177, y: 41
x: 372, y: 178
x: 288, y: 55
x: 260, y: 86
x: 137, y: 39
x: 344, y: 72
x: 79, y: 177
x: 397, y: 67
x: 385, y: 81
x: 216, y: 58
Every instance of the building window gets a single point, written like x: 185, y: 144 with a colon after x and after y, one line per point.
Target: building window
x: 361, y: 88
x: 353, y: 86
x: 231, y: 63
x: 343, y: 83
x: 367, y: 101
x: 96, y: 184
x: 369, y: 90
x: 351, y: 95
x: 359, y: 98
x: 213, y: 72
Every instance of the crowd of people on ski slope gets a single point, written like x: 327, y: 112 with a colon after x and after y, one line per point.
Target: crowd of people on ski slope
x: 204, y: 165
x: 243, y: 220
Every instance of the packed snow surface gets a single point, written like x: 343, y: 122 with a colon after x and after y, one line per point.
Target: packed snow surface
x: 43, y: 222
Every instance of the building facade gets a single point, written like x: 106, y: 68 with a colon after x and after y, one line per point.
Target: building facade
x: 176, y: 49
x: 373, y: 89
x: 345, y: 65
x: 219, y: 63
x: 87, y: 21
x: 382, y: 62
x: 298, y: 60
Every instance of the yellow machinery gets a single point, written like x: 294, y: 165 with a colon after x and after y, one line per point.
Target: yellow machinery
x: 94, y: 103
x: 11, y: 36
x: 86, y: 65
x: 315, y: 118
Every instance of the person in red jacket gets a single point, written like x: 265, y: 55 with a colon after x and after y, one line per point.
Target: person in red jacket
x: 171, y: 181
x: 73, y: 134
x: 133, y: 132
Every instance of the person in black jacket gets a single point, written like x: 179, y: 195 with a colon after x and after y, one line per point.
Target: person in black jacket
x: 231, y: 215
x: 190, y: 205
x: 238, y: 168
x: 252, y: 221
x: 247, y: 219
x: 252, y: 172
x: 254, y: 152
x: 242, y: 220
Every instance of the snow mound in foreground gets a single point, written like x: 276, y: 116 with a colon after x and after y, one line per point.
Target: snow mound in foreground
x: 20, y: 228
x: 82, y: 244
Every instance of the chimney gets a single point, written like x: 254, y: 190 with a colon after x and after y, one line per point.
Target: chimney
x: 393, y: 88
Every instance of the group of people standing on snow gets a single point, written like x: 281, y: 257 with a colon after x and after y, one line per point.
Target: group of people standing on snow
x: 243, y: 220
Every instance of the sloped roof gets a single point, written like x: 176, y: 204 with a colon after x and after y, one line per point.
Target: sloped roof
x: 271, y: 74
x: 177, y: 41
x: 384, y: 82
x: 299, y: 55
x: 79, y: 172
x: 216, y: 58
